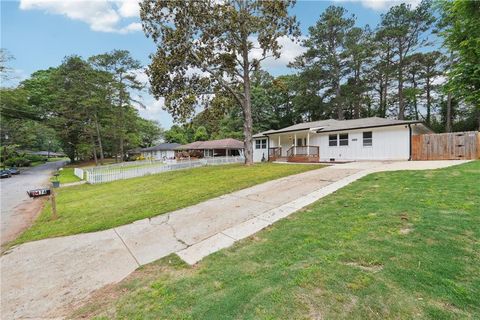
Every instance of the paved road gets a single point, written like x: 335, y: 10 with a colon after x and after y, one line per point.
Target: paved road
x: 48, y: 278
x: 13, y: 195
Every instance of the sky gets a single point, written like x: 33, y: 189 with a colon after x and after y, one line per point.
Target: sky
x: 40, y: 33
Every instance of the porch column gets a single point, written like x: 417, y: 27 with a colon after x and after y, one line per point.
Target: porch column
x: 295, y: 144
x: 279, y: 145
x: 308, y: 143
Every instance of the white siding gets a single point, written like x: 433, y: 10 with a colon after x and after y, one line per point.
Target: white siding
x: 159, y: 155
x: 258, y: 154
x: 388, y: 143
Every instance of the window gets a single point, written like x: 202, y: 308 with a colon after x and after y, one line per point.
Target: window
x: 332, y: 140
x: 343, y: 139
x: 367, y: 139
x: 208, y: 153
x: 261, y: 144
x: 301, y: 142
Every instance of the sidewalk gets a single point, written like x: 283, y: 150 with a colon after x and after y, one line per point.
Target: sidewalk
x: 46, y: 278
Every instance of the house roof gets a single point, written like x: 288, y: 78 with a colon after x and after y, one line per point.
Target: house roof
x: 339, y: 125
x: 160, y: 147
x: 46, y: 153
x: 213, y: 144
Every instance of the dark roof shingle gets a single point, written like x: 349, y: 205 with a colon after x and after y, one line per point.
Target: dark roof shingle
x: 228, y: 143
x: 338, y: 125
x: 160, y: 147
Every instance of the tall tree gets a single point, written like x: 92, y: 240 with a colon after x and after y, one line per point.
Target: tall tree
x: 5, y: 70
x: 460, y: 27
x: 413, y: 74
x: 358, y: 52
x: 405, y: 26
x: 382, y: 70
x: 218, y: 39
x: 149, y: 132
x: 124, y: 68
x: 432, y: 67
x: 326, y: 52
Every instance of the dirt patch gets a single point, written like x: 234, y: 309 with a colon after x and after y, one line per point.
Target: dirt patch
x: 102, y: 301
x: 311, y: 303
x: 25, y: 215
x: 406, y: 230
x: 369, y: 268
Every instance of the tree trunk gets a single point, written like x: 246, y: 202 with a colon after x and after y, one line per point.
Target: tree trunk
x: 384, y: 93
x: 94, y: 150
x: 380, y: 108
x: 429, y: 98
x: 415, y: 104
x: 356, y: 106
x: 401, y: 104
x: 122, y: 120
x: 338, y: 104
x: 122, y: 133
x: 247, y: 127
x: 448, y: 122
x: 99, y: 140
x: 247, y: 106
x: 115, y: 146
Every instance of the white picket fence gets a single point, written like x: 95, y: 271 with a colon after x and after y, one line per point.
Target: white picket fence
x: 133, y: 163
x: 103, y: 174
x: 78, y: 172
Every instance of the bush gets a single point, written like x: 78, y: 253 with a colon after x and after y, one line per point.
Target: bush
x: 17, y: 162
x: 196, y: 154
x: 35, y: 157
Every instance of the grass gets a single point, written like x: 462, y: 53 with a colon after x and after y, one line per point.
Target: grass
x: 396, y: 245
x: 87, y: 208
x: 53, y: 159
x: 66, y: 175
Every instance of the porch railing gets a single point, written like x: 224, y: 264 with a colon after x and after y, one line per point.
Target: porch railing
x: 275, y: 152
x: 312, y: 151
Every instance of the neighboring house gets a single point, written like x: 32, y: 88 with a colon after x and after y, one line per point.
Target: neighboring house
x: 339, y: 140
x: 159, y: 152
x: 215, y: 148
x: 49, y: 154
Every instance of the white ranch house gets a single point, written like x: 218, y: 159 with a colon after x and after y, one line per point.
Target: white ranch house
x: 339, y: 140
x: 161, y: 151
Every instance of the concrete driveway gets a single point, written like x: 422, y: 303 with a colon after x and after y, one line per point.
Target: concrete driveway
x: 47, y: 278
x: 14, y: 211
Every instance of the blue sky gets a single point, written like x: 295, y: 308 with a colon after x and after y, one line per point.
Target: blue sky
x: 40, y: 33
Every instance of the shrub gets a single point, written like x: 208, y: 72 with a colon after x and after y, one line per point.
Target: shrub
x: 196, y: 154
x: 17, y: 162
x: 35, y: 157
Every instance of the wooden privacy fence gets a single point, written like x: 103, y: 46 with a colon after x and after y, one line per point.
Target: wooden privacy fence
x: 102, y: 174
x: 446, y: 146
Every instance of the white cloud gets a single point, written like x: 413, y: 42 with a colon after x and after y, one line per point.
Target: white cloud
x: 129, y: 8
x: 289, y: 51
x: 154, y: 111
x: 100, y: 15
x: 141, y: 75
x: 381, y: 5
x: 439, y: 80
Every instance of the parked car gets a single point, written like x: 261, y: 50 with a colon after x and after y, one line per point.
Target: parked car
x: 5, y: 174
x: 13, y: 170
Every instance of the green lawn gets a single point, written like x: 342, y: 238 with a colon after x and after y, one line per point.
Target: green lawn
x: 67, y: 176
x: 397, y: 245
x: 87, y: 208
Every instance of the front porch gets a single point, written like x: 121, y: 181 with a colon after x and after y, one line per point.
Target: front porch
x: 293, y: 147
